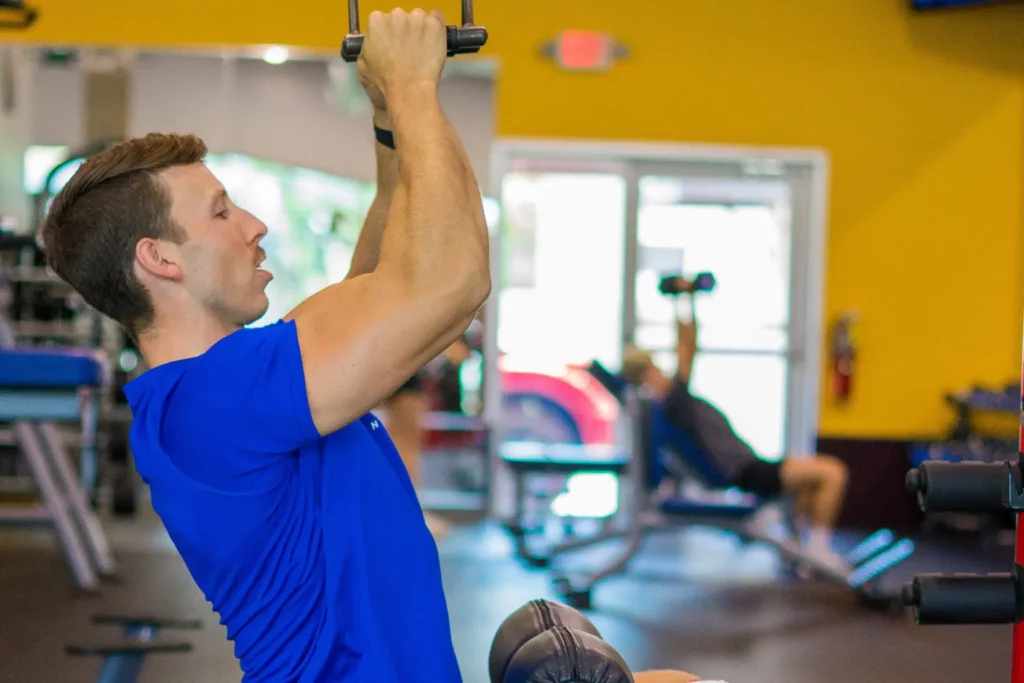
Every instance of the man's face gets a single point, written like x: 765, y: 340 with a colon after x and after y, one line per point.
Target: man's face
x: 221, y: 255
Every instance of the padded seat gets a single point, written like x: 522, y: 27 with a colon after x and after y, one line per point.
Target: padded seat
x: 47, y: 368
x: 683, y: 507
x: 564, y: 458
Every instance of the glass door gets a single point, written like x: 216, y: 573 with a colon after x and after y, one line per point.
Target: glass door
x: 561, y: 295
x: 740, y: 231
x: 587, y: 231
x: 559, y: 263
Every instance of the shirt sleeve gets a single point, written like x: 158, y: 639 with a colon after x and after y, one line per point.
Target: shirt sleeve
x: 248, y: 392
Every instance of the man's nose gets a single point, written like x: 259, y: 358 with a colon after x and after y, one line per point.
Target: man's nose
x: 258, y: 229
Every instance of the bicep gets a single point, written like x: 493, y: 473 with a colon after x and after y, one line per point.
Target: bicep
x: 362, y: 338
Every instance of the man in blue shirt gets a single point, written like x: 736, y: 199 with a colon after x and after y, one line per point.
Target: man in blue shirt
x: 285, y: 497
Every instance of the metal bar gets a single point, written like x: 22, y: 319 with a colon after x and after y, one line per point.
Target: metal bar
x: 580, y: 543
x: 353, y: 16
x: 92, y: 530
x: 1017, y: 658
x: 88, y: 457
x: 880, y: 540
x: 467, y: 12
x: 881, y: 563
x: 39, y: 405
x: 730, y: 352
x: 631, y: 254
x: 25, y: 515
x: 121, y: 668
x: 639, y: 499
x: 74, y: 550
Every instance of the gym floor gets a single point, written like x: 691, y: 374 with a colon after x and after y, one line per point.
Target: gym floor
x: 721, y: 612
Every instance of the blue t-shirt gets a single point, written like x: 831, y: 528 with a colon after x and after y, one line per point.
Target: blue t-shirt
x: 313, y: 550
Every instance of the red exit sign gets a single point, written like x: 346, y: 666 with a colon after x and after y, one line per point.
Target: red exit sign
x: 577, y: 50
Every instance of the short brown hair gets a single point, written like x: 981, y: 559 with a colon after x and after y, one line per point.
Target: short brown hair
x: 635, y: 363
x: 94, y: 224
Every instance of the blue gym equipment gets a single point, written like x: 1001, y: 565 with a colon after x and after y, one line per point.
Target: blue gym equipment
x: 123, y: 657
x: 38, y: 387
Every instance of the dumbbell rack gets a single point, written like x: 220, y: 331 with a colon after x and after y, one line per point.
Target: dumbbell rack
x: 965, y: 598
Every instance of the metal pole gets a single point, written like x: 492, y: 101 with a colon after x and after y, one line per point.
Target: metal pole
x: 1017, y: 671
x: 353, y: 16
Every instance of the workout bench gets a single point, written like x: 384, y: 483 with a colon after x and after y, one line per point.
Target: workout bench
x: 38, y: 387
x: 656, y: 446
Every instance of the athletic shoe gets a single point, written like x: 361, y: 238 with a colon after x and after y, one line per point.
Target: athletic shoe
x: 770, y: 523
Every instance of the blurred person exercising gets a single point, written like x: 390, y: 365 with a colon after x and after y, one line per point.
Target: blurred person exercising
x: 286, y: 499
x: 403, y: 414
x: 817, y: 483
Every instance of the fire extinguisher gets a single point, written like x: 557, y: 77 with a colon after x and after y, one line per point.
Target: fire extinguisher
x: 843, y: 354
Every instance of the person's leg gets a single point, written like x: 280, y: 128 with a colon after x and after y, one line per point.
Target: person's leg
x: 803, y: 510
x: 822, y: 479
x: 665, y: 677
x: 761, y: 478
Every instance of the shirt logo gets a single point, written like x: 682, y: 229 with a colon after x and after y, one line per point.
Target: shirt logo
x: 374, y: 424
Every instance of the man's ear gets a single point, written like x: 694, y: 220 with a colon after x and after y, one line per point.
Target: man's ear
x: 159, y: 258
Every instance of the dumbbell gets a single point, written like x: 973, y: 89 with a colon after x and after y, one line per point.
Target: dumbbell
x: 462, y: 40
x: 546, y: 641
x: 674, y: 285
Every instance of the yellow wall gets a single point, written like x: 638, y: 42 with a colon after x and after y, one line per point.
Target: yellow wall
x: 923, y: 117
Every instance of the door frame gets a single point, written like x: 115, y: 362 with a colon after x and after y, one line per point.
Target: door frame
x: 806, y: 170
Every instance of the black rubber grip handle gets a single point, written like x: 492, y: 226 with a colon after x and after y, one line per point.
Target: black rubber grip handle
x: 962, y: 598
x: 960, y: 487
x: 462, y: 40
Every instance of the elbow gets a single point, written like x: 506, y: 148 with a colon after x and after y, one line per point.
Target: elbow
x: 481, y: 289
x: 473, y: 289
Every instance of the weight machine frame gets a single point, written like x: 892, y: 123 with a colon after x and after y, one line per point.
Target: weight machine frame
x: 965, y: 598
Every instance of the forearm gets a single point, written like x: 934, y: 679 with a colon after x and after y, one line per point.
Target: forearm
x: 686, y: 336
x: 368, y: 246
x: 686, y: 321
x: 439, y: 239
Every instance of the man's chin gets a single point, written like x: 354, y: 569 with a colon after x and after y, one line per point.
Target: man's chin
x: 257, y: 311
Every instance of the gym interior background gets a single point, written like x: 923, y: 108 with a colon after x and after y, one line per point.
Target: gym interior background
x: 869, y: 156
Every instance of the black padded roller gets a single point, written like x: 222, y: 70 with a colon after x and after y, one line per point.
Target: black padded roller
x: 962, y: 598
x: 960, y: 487
x: 560, y: 655
x: 527, y: 622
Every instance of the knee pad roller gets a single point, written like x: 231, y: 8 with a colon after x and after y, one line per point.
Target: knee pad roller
x: 547, y: 642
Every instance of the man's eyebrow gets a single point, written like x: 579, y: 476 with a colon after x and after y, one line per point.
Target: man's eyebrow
x: 221, y: 194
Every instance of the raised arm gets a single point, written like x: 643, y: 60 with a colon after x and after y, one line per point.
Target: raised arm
x: 362, y: 338
x: 686, y: 339
x: 367, y: 252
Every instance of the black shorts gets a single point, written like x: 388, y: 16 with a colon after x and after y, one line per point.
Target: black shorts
x: 762, y: 478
